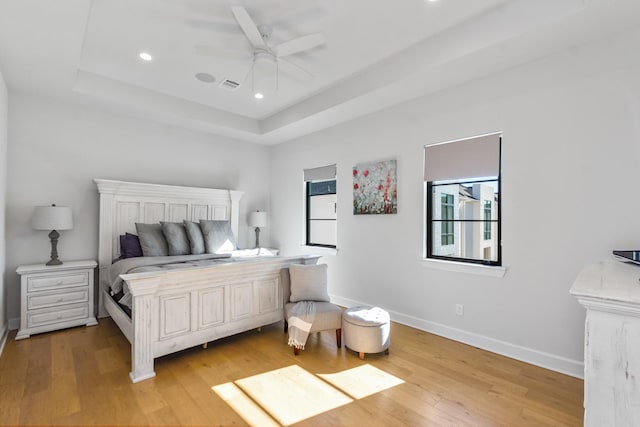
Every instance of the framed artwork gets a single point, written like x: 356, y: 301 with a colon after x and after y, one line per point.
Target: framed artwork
x: 375, y: 188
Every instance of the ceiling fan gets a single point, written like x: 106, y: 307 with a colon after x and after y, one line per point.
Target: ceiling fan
x: 269, y: 60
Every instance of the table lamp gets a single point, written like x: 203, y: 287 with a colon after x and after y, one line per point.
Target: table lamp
x: 258, y: 219
x: 52, y: 218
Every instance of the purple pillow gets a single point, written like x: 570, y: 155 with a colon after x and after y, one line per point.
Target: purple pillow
x: 130, y: 246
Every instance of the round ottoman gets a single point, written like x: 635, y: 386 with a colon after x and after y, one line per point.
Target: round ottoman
x: 366, y: 330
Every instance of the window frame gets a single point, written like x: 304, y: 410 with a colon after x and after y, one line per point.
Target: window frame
x: 308, y: 219
x: 429, y: 211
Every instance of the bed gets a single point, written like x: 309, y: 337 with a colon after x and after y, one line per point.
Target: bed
x: 177, y: 308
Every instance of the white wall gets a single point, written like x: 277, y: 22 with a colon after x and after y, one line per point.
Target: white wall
x: 56, y: 149
x: 4, y: 102
x: 571, y: 127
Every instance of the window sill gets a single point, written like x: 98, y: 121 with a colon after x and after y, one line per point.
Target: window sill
x: 463, y: 267
x: 318, y: 250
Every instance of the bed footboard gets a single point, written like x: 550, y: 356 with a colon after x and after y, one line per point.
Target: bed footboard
x: 179, y: 309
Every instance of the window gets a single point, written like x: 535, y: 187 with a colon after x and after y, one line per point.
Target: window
x: 462, y: 200
x: 320, y: 206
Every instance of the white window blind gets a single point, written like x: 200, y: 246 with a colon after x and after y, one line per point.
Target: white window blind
x: 320, y: 174
x: 467, y: 158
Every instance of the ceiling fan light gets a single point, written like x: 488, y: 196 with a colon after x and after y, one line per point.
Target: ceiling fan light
x: 264, y: 75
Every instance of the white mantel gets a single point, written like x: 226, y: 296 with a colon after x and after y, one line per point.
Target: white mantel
x: 610, y: 291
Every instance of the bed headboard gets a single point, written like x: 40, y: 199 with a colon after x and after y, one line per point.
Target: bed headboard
x: 122, y: 204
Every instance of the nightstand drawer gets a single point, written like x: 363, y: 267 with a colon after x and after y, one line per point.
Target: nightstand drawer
x: 55, y: 298
x: 56, y: 281
x: 46, y: 317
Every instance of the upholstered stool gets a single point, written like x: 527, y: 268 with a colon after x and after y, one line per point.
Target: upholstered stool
x: 366, y: 330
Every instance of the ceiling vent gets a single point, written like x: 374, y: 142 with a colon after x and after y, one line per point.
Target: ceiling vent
x: 229, y: 84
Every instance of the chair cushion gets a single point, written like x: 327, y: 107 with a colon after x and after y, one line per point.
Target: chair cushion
x: 328, y: 316
x: 308, y: 282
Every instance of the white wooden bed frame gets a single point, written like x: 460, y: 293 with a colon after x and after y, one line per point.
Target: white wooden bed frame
x: 178, y: 309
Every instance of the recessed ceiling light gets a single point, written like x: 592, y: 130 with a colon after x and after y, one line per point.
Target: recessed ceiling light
x: 145, y: 56
x: 258, y: 95
x: 205, y: 77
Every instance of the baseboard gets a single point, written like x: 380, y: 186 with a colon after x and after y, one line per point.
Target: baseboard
x: 553, y: 362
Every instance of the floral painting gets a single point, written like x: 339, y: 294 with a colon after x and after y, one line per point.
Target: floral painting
x: 375, y: 188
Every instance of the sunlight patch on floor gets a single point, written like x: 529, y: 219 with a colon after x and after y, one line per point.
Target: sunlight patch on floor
x: 362, y: 381
x: 289, y: 395
x: 292, y: 394
x: 244, y: 406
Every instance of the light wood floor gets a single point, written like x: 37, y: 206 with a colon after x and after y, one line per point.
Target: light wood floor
x: 80, y: 377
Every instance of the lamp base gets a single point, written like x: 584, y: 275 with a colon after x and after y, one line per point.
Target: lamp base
x: 54, y: 248
x: 257, y: 237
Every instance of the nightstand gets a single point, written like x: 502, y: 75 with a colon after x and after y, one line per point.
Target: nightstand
x: 55, y: 297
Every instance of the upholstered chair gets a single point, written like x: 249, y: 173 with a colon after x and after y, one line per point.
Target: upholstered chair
x: 309, y: 283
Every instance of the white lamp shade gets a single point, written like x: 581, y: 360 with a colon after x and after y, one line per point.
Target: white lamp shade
x: 258, y: 219
x: 52, y: 218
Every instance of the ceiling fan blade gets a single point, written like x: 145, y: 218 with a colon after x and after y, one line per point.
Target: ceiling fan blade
x: 249, y: 27
x: 300, y: 44
x: 294, y: 70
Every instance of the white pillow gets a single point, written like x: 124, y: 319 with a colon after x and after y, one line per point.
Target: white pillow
x: 308, y: 282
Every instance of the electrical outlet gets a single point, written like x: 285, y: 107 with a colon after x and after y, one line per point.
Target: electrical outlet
x: 459, y: 309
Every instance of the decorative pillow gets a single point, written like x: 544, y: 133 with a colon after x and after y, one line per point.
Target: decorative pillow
x: 152, y: 239
x: 308, y: 282
x: 218, y: 236
x: 176, y: 237
x: 130, y: 246
x: 196, y: 240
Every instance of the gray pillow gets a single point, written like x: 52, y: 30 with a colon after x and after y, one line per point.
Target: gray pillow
x: 176, y: 237
x: 218, y: 236
x: 308, y: 282
x: 152, y: 239
x: 196, y: 240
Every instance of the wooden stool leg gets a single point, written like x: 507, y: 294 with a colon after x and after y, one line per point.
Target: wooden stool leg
x: 339, y: 338
x: 361, y: 355
x: 386, y: 351
x: 296, y: 351
x: 286, y: 326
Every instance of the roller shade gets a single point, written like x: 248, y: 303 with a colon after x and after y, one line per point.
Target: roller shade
x: 465, y: 158
x: 320, y: 174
